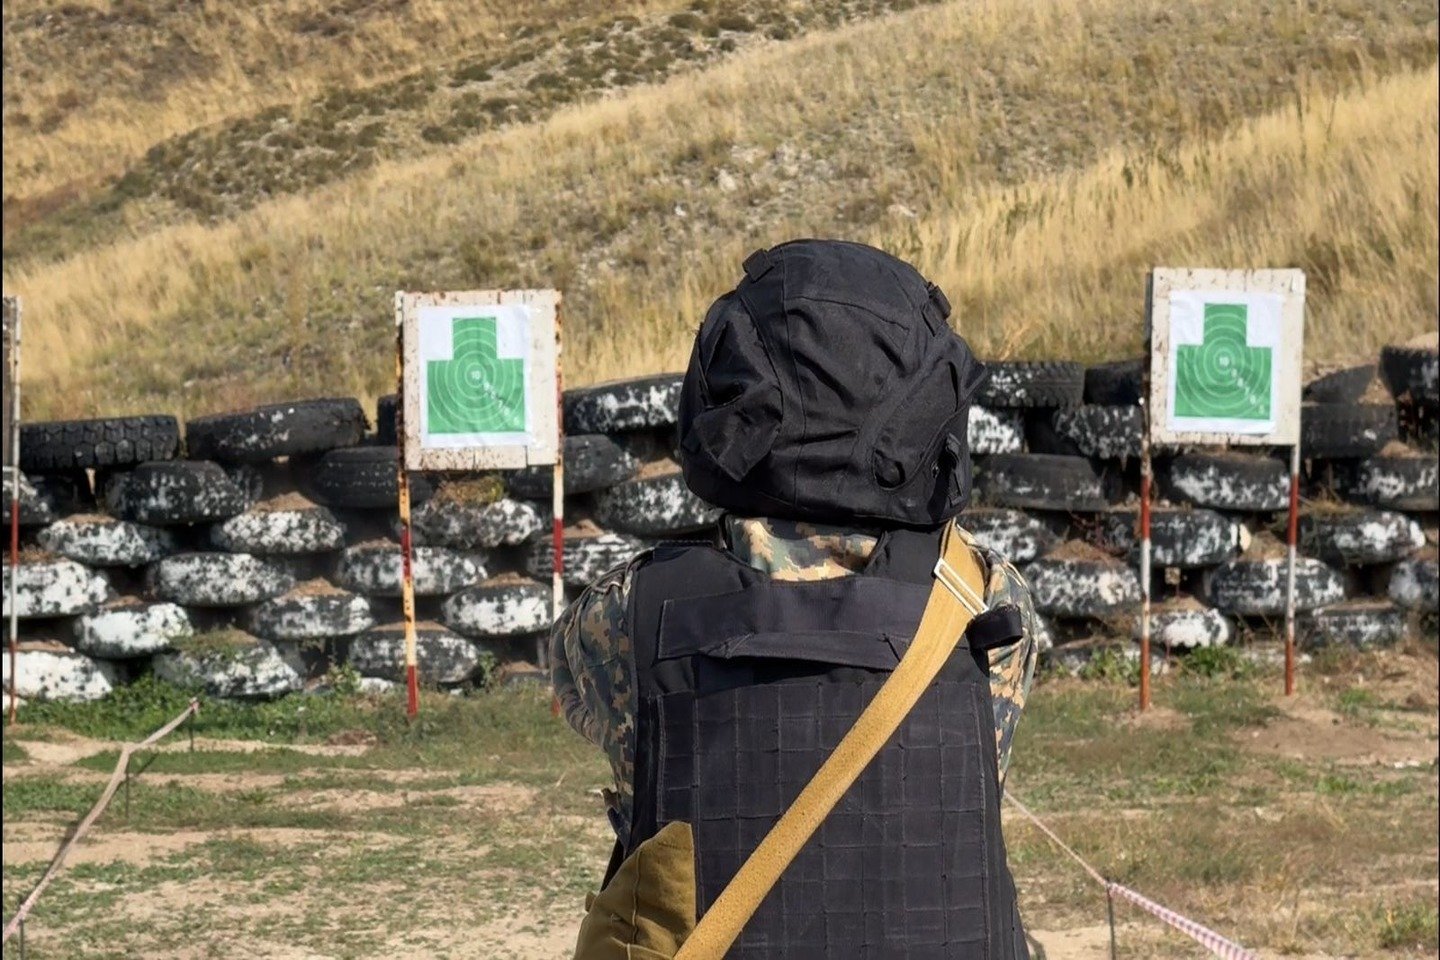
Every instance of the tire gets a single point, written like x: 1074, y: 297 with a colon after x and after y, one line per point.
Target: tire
x: 1340, y: 386
x: 1016, y: 536
x: 592, y: 462
x: 1229, y: 481
x: 36, y: 509
x: 1406, y: 481
x: 586, y: 558
x: 1185, y: 539
x: 57, y: 673
x: 1082, y: 588
x: 253, y: 670
x: 109, y: 442
x: 996, y: 431
x: 169, y: 493
x: 104, y: 542
x: 1041, y: 436
x: 1038, y: 383
x: 1359, y: 537
x: 1187, y: 627
x: 126, y: 630
x: 1257, y: 587
x: 363, y: 478
x: 500, y: 608
x: 277, y: 430
x: 283, y: 533
x: 217, y: 579
x: 1117, y: 383
x: 504, y: 523
x: 1413, y: 375
x: 375, y: 570
x: 623, y: 405
x: 656, y: 506
x: 1415, y: 584
x: 297, y: 616
x: 442, y: 656
x: 1040, y: 482
x: 1106, y: 432
x: 1337, y: 431
x: 385, y: 422
x: 54, y: 588
x: 1363, y: 625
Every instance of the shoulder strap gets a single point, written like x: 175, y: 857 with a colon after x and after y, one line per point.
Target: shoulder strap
x: 956, y: 598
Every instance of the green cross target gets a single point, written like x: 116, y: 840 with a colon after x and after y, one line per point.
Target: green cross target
x: 475, y: 391
x: 1223, y: 377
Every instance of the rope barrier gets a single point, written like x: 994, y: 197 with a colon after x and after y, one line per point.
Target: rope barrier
x: 1207, y: 938
x: 116, y: 778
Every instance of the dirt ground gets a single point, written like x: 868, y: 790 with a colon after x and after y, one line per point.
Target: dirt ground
x: 1302, y: 827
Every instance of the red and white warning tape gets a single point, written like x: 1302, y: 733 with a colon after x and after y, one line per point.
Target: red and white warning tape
x: 1207, y: 938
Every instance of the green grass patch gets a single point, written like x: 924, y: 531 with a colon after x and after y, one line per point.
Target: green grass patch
x: 1410, y: 925
x: 14, y: 753
x: 277, y: 760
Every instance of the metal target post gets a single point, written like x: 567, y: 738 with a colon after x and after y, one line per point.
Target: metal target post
x: 12, y: 363
x: 557, y: 507
x: 1146, y: 476
x: 1291, y: 537
x: 402, y: 480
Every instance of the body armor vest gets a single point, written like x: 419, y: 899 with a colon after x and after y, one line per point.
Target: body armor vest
x: 746, y: 684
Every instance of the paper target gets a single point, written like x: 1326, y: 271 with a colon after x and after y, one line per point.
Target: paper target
x: 1223, y: 376
x: 477, y: 390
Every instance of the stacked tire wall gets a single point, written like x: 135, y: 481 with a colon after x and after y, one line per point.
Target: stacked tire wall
x: 252, y: 553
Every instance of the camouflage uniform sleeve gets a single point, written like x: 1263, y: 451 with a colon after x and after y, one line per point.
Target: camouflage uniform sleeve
x: 592, y: 671
x: 1012, y: 668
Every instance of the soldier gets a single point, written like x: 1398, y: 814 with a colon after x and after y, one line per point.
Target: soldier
x: 825, y: 410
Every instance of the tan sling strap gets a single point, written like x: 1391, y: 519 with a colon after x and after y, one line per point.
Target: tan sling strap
x: 956, y: 598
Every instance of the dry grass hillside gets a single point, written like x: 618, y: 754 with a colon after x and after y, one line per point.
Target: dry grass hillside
x: 1035, y: 157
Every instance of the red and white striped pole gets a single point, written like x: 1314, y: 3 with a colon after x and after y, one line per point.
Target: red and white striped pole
x: 1291, y: 537
x: 557, y: 504
x: 1146, y: 476
x: 12, y: 358
x: 402, y: 479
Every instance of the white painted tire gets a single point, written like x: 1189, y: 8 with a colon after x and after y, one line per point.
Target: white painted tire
x: 59, y: 674
x: 1258, y: 587
x: 280, y: 532
x: 1082, y: 588
x: 54, y: 588
x: 1415, y: 584
x: 1229, y: 481
x: 123, y: 631
x: 504, y: 523
x: 1360, y: 536
x: 656, y: 506
x: 624, y: 405
x: 218, y: 579
x: 1185, y: 539
x: 310, y: 616
x: 504, y: 609
x: 442, y: 656
x: 586, y: 559
x: 1016, y: 536
x: 1187, y: 628
x: 996, y: 430
x: 257, y: 671
x: 1362, y: 625
x: 105, y: 542
x: 376, y: 570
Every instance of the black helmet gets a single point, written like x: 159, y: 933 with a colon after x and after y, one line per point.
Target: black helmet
x: 828, y: 386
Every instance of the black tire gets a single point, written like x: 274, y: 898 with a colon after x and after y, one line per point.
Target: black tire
x: 1257, y: 587
x: 1016, y: 536
x: 592, y: 462
x: 1186, y: 539
x: 622, y: 405
x: 36, y: 509
x: 656, y: 506
x: 1187, y: 627
x: 506, y: 608
x: 1413, y: 375
x: 1117, y: 383
x: 1340, y: 386
x: 286, y: 533
x: 108, y: 442
x: 1405, y: 481
x: 1106, y: 432
x: 503, y: 523
x: 277, y: 430
x: 217, y: 579
x: 1359, y: 536
x: 1415, y: 584
x: 586, y: 559
x: 1337, y: 431
x: 171, y: 492
x: 1082, y: 588
x: 385, y: 433
x: 1032, y: 383
x: 442, y: 656
x: 1363, y: 625
x: 1041, y: 436
x: 298, y: 616
x: 363, y: 478
x: 103, y: 542
x: 1039, y: 482
x: 1228, y: 481
x: 53, y: 588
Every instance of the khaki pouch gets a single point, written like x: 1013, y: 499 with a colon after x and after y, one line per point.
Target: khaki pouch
x: 648, y: 908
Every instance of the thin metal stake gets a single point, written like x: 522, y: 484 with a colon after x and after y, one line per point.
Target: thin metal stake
x: 1110, y: 909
